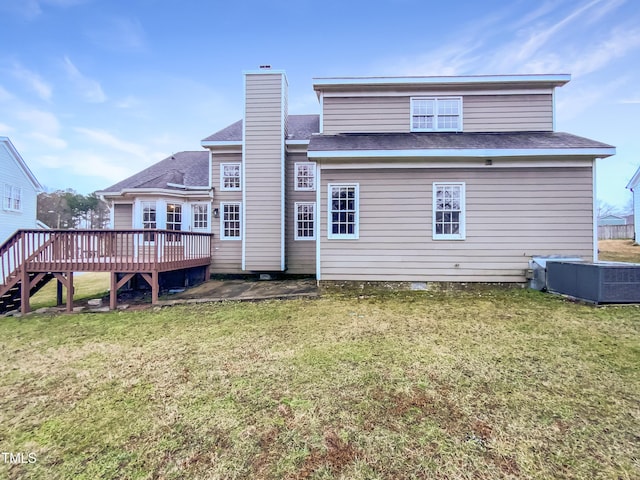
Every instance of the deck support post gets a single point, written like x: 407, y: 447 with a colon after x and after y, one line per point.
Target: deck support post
x: 25, y: 291
x: 58, y: 292
x: 155, y: 287
x: 69, y: 292
x: 68, y: 283
x: 113, y: 291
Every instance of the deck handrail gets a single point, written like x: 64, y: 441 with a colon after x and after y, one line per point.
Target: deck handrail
x: 102, y: 250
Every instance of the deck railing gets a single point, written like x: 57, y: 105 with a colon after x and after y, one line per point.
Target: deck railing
x: 102, y: 250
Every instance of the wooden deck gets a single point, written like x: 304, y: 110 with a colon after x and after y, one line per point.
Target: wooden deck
x: 122, y: 253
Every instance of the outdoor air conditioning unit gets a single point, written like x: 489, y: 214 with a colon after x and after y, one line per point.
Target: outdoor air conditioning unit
x: 537, y: 274
x: 601, y: 282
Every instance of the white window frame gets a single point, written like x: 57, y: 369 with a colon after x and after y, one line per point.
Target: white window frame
x: 174, y: 237
x: 12, y: 198
x: 310, y: 169
x: 194, y: 211
x: 461, y: 235
x: 149, y: 237
x: 436, y: 114
x: 356, y: 228
x: 223, y: 176
x: 223, y: 236
x: 296, y: 213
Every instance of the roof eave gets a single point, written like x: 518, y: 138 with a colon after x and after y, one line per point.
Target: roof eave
x: 554, y: 80
x: 635, y: 180
x: 221, y: 143
x: 468, y: 152
x: 132, y: 192
x: 23, y: 165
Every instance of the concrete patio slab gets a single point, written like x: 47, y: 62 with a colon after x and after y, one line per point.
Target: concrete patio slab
x: 244, y: 290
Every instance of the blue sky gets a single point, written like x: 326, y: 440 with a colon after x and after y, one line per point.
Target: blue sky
x: 92, y: 91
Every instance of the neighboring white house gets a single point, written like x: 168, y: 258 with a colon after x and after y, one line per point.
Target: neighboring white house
x: 612, y: 220
x: 634, y: 186
x: 19, y: 189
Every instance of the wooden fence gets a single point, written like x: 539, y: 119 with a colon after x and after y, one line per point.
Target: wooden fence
x: 614, y: 232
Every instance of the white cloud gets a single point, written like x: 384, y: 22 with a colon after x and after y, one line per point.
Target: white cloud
x: 128, y: 102
x: 584, y: 96
x: 533, y: 47
x: 48, y: 140
x: 45, y: 123
x: 630, y: 101
x: 5, y: 129
x: 33, y: 81
x: 109, y: 140
x: 33, y: 8
x: 617, y: 45
x: 4, y: 94
x: 119, y: 33
x: 88, y: 88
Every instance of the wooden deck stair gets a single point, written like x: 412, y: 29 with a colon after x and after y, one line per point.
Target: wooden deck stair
x: 34, y: 257
x: 11, y: 298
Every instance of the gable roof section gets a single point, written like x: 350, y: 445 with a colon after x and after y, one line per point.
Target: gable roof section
x: 21, y: 163
x: 299, y: 127
x: 452, y: 144
x: 635, y: 180
x: 180, y: 171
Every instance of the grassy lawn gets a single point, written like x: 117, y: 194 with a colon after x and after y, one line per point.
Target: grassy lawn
x: 619, y: 251
x: 489, y: 385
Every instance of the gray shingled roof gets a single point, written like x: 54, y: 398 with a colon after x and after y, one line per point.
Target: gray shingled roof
x: 300, y: 127
x: 184, y: 168
x: 450, y: 140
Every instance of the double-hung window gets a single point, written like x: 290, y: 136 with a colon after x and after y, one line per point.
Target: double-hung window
x: 305, y: 176
x: 12, y: 198
x: 305, y: 213
x: 149, y: 220
x: 174, y: 221
x: 230, y: 176
x: 200, y: 216
x: 343, y: 211
x: 230, y: 224
x: 430, y: 114
x: 449, y: 211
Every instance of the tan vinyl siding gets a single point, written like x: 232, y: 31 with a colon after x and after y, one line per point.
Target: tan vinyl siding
x: 263, y: 145
x: 481, y: 113
x: 365, y: 114
x: 511, y: 214
x: 226, y: 254
x: 301, y: 254
x: 502, y: 113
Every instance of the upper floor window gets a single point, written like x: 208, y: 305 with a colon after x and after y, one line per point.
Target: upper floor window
x: 429, y: 114
x: 343, y: 211
x: 449, y: 211
x: 305, y: 176
x: 230, y: 176
x: 12, y: 198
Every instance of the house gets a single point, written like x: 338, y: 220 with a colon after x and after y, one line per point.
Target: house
x: 634, y: 186
x: 19, y: 189
x: 397, y: 179
x: 612, y: 220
